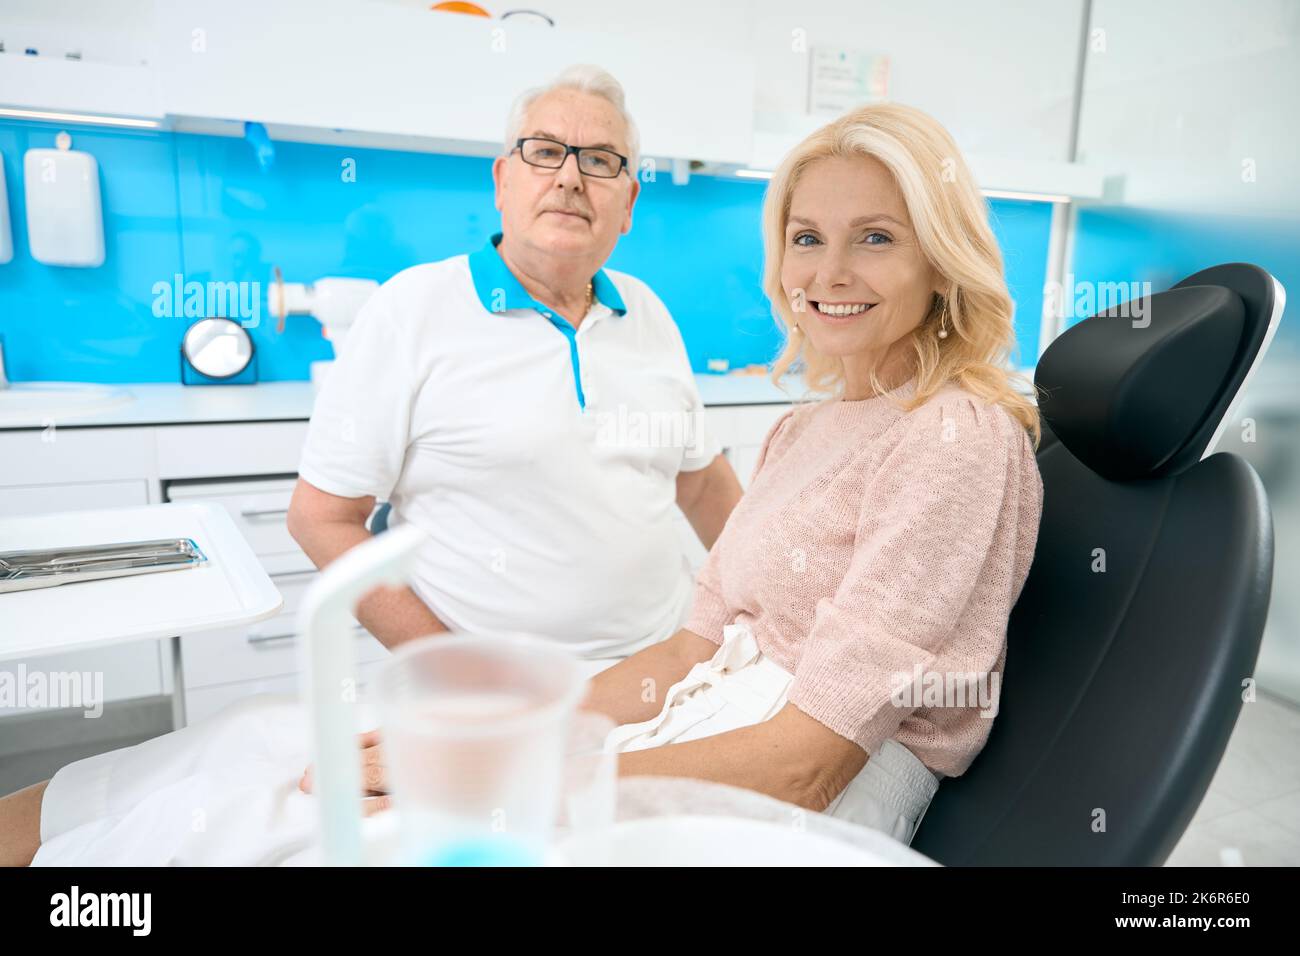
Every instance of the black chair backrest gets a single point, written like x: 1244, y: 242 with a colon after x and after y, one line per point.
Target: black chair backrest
x: 1142, y: 615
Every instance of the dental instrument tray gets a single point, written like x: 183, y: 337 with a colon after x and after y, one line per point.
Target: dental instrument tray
x: 47, y: 567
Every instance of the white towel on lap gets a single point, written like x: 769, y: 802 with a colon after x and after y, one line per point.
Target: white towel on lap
x: 221, y: 792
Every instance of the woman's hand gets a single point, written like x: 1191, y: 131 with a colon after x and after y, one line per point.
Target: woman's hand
x: 374, y: 775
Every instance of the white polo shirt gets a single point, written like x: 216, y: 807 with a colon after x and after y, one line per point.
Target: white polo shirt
x: 542, y: 462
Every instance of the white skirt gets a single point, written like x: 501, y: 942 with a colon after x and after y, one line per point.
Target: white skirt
x: 738, y: 687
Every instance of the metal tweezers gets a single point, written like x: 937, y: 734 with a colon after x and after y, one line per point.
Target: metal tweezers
x: 23, y: 570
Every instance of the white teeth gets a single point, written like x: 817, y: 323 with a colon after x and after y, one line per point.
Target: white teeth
x: 852, y: 309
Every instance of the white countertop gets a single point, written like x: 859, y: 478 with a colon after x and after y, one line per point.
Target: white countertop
x: 166, y: 403
x: 174, y: 404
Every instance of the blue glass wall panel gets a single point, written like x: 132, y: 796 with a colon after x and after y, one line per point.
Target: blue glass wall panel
x: 204, y: 209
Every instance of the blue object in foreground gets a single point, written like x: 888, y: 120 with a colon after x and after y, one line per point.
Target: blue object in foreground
x: 482, y: 851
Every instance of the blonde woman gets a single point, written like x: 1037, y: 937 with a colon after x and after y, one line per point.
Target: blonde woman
x: 887, y: 530
x: 883, y: 541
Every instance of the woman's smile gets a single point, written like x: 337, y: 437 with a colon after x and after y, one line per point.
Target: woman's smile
x: 841, y: 313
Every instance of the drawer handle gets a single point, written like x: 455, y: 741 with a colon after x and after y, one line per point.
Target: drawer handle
x: 256, y: 637
x: 281, y: 575
x: 262, y: 512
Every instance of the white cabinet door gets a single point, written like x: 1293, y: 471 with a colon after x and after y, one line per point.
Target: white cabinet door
x: 741, y: 429
x: 265, y: 649
x: 220, y: 449
x: 67, y: 455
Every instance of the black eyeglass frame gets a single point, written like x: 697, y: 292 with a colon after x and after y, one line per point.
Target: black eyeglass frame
x: 576, y: 151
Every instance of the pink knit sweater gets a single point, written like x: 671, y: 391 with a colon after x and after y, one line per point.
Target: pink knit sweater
x: 874, y: 547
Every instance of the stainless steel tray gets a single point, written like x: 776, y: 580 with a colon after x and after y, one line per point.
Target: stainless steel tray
x: 45, y: 568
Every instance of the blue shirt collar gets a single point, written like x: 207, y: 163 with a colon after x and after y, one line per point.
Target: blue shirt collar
x: 499, y: 290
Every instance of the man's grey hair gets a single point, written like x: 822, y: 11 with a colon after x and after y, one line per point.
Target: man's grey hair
x: 586, y: 79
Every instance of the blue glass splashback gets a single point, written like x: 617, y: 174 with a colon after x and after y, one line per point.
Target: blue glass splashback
x: 204, y: 209
x: 1135, y: 246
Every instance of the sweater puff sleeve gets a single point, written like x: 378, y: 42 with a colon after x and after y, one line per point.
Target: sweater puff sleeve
x: 710, y: 612
x: 932, y: 565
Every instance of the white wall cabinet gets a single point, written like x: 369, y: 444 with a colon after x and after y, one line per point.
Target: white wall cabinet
x: 726, y: 83
x: 444, y: 79
x: 379, y: 74
x: 70, y: 86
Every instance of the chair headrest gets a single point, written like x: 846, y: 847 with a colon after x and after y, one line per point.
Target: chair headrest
x: 1137, y: 391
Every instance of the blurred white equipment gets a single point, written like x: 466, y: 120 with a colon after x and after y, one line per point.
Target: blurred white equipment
x: 333, y: 300
x: 329, y: 669
x: 65, y: 221
x: 475, y: 728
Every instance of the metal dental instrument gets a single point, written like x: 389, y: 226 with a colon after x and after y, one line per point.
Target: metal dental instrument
x: 47, y: 567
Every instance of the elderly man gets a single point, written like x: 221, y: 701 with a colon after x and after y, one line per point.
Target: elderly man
x: 477, y: 393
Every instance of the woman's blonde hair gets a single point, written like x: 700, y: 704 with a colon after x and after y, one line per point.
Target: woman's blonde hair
x: 950, y: 218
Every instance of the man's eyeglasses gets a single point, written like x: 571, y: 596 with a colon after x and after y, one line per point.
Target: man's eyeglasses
x: 550, y: 154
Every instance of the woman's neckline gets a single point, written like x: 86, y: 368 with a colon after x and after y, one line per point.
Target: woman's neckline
x: 906, y: 386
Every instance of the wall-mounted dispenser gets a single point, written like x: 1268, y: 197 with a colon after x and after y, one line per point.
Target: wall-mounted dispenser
x: 65, y: 222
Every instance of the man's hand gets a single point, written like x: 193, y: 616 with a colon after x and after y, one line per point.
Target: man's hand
x: 374, y: 775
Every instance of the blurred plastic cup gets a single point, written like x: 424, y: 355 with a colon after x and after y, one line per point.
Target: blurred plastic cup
x: 588, y: 795
x: 475, y: 732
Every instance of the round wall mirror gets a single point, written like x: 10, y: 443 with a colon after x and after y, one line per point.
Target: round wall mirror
x: 217, y: 348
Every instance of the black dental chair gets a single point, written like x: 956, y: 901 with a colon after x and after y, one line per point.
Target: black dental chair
x: 1121, y: 687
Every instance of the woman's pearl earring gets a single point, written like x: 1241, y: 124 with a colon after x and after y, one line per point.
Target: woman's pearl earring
x: 943, y: 322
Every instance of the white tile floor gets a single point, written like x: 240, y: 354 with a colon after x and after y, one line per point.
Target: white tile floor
x: 1251, y: 814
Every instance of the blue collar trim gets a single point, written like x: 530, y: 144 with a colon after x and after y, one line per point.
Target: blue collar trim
x: 499, y: 290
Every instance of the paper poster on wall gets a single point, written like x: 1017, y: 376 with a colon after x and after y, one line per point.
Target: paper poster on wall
x: 839, y: 80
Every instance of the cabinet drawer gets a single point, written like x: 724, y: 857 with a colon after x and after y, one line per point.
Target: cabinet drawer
x: 120, y: 672
x: 204, y: 702
x: 744, y: 459
x: 741, y: 430
x: 54, y: 455
x: 751, y: 423
x: 77, y: 496
x: 263, y: 649
x: 259, y: 508
x: 248, y: 448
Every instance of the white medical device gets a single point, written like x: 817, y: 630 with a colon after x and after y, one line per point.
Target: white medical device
x: 65, y: 220
x: 333, y: 300
x: 329, y: 669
